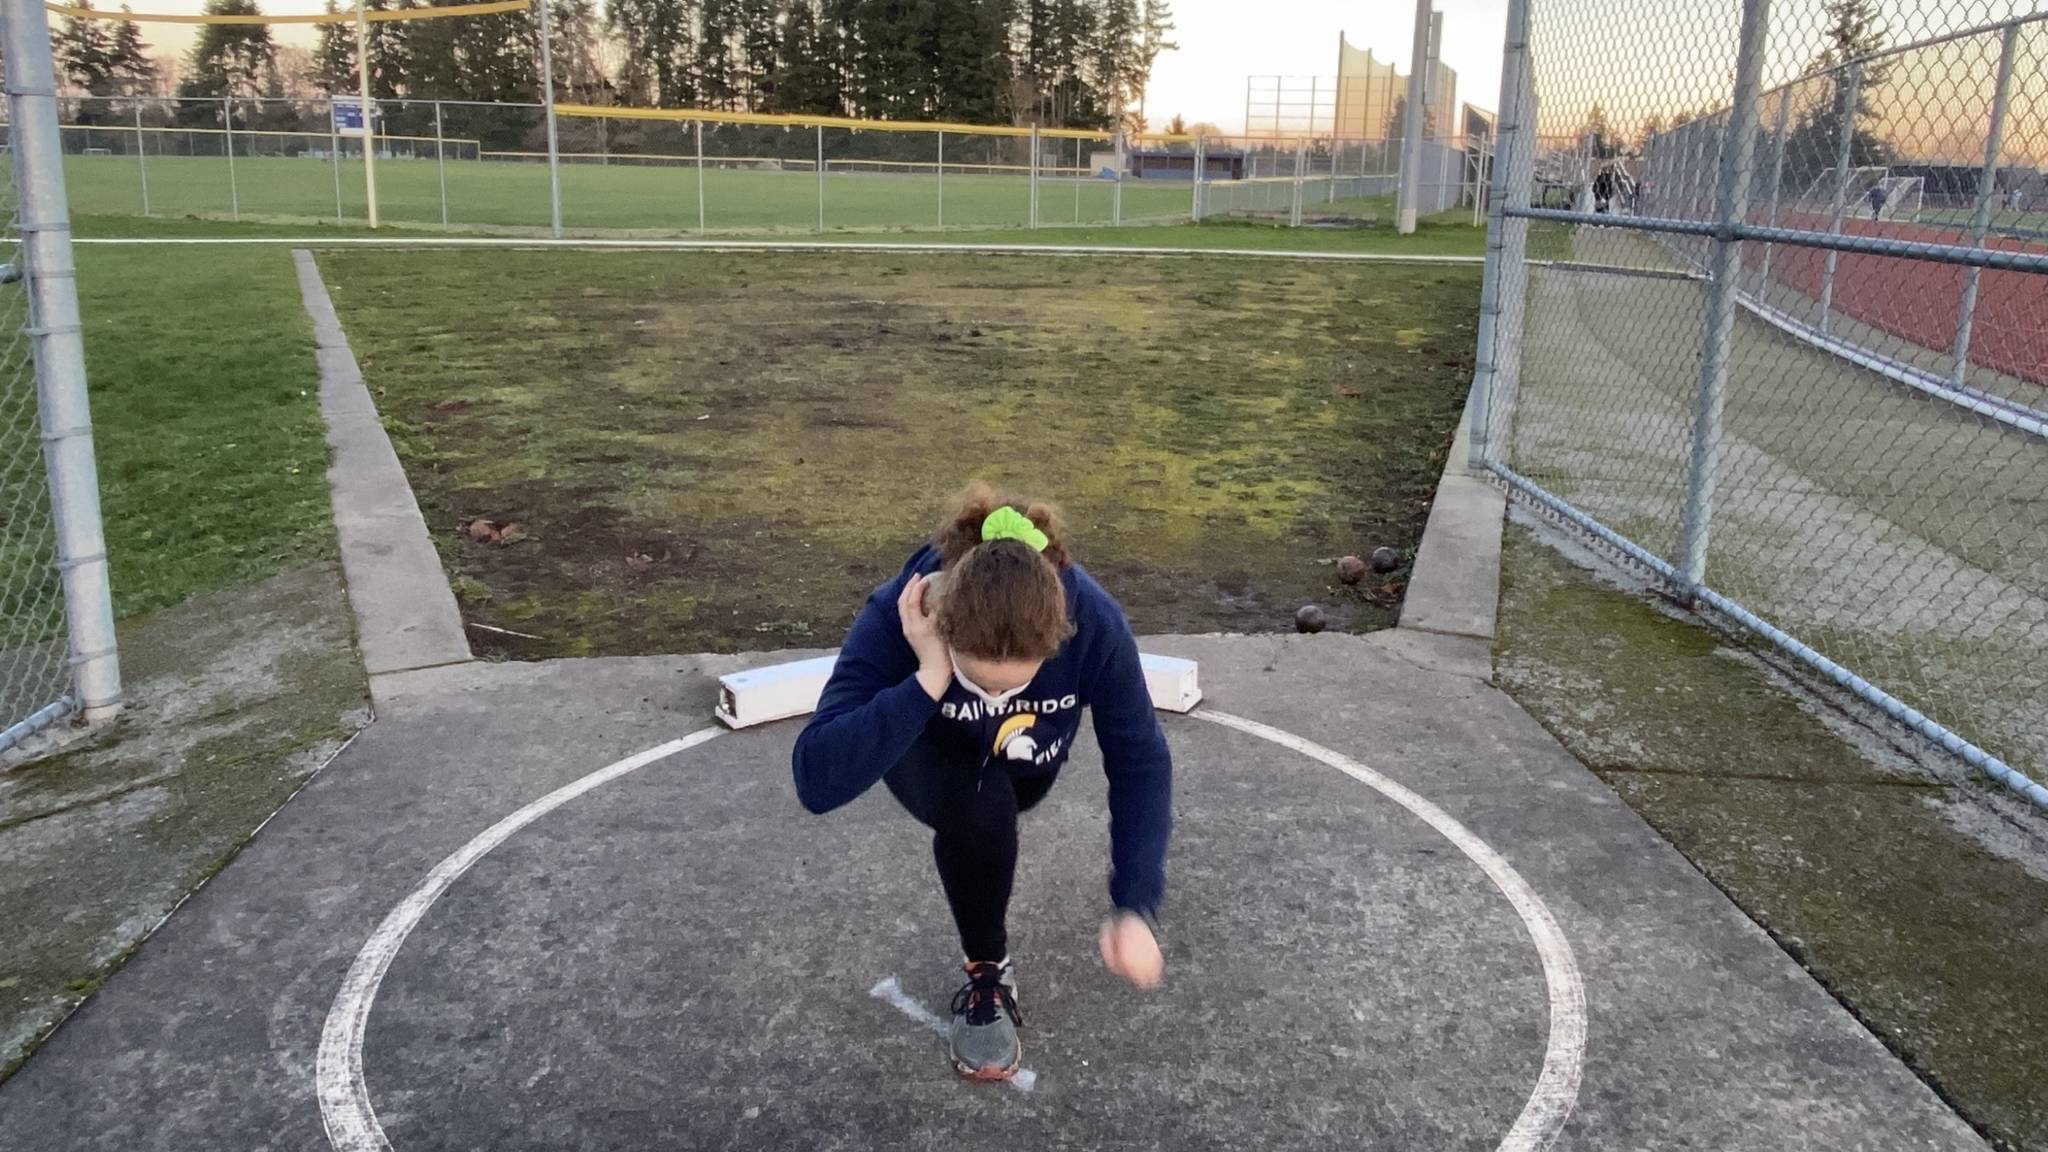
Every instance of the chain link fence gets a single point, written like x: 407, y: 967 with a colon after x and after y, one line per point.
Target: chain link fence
x: 57, y: 653
x: 1766, y: 309
x: 460, y: 165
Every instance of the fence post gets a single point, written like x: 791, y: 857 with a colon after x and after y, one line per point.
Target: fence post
x: 1850, y: 92
x: 57, y: 343
x: 1777, y: 180
x: 369, y: 115
x: 1987, y: 188
x: 441, y: 163
x: 1033, y: 220
x: 1075, y: 176
x: 1300, y: 184
x: 821, y: 177
x: 334, y: 157
x: 1201, y: 177
x: 227, y: 112
x: 942, y: 177
x: 547, y: 99
x: 1117, y: 149
x: 1731, y: 198
x: 1504, y: 272
x: 141, y: 161
x: 1411, y: 123
x: 700, y: 179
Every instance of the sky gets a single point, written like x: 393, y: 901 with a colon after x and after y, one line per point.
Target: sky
x: 1204, y: 80
x: 1220, y: 47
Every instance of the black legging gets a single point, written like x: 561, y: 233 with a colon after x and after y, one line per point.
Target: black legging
x: 972, y: 812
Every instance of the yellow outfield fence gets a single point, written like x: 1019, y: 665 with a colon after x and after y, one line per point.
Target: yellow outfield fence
x: 786, y: 163
x: 717, y: 116
x: 344, y: 16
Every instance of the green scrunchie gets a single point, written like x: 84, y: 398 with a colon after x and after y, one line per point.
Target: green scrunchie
x: 1006, y: 523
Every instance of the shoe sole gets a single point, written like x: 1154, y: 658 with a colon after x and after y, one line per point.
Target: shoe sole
x: 988, y: 1073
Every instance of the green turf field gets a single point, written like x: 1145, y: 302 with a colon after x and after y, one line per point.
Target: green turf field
x: 496, y: 194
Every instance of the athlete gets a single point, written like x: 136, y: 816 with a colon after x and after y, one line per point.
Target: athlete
x: 961, y: 687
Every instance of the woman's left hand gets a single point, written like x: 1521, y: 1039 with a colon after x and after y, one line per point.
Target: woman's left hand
x: 1130, y: 950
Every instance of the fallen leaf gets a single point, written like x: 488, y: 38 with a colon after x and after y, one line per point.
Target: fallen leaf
x: 512, y: 533
x: 481, y: 530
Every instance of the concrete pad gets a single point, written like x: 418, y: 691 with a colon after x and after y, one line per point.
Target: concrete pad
x: 682, y: 957
x: 406, y: 616
x: 1455, y: 585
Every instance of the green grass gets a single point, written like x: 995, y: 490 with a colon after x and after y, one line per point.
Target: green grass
x: 500, y: 196
x: 1449, y: 234
x: 505, y: 194
x: 727, y: 452
x: 212, y: 457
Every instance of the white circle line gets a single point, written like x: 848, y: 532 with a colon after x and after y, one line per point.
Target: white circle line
x: 345, y: 1107
x: 351, y: 1121
x: 1557, y: 1086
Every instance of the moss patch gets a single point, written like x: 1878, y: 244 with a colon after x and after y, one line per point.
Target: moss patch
x: 235, y: 698
x: 1849, y: 860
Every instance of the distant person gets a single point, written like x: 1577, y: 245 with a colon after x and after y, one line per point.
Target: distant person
x: 1603, y: 190
x: 961, y: 687
x: 1876, y: 201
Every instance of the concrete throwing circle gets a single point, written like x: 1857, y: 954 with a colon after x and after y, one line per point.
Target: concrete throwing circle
x: 351, y: 1121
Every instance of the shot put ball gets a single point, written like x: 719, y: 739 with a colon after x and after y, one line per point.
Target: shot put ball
x: 1351, y: 569
x: 1384, y: 560
x: 1310, y: 619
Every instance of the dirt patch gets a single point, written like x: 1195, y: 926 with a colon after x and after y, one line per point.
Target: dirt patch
x: 1916, y: 892
x: 716, y: 453
x: 235, y: 698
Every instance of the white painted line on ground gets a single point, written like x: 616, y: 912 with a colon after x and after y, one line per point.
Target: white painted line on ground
x: 1557, y: 1086
x: 351, y: 1121
x: 338, y: 1076
x: 890, y: 992
x: 781, y: 246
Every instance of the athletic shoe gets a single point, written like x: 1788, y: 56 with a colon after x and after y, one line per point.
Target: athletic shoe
x: 985, y: 1019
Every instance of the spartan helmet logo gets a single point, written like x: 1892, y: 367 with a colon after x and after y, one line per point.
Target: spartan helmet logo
x: 1013, y: 739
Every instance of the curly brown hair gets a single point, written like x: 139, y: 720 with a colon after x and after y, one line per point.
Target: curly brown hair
x: 1002, y: 600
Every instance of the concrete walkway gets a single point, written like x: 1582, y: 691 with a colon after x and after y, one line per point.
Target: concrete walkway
x: 406, y: 617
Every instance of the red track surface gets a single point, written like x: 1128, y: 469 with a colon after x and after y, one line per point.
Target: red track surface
x: 1917, y: 301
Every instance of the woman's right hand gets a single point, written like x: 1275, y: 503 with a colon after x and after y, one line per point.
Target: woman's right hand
x: 921, y: 629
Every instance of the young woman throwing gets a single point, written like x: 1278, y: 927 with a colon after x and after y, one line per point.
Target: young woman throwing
x: 961, y: 687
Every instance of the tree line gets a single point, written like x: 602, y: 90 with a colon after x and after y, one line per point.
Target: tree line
x: 1066, y: 63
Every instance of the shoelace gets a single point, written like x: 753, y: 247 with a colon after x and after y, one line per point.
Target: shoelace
x: 983, y: 993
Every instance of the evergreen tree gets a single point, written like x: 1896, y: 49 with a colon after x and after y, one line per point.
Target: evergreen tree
x: 658, y: 43
x: 334, y: 55
x: 84, y: 48
x: 971, y: 61
x: 757, y: 35
x: 234, y: 60
x: 718, y: 81
x: 579, y: 68
x: 1854, y: 31
x: 134, y: 71
x: 1116, y: 57
x: 1152, y: 40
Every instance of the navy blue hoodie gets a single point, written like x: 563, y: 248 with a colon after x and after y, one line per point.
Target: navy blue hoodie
x: 874, y: 712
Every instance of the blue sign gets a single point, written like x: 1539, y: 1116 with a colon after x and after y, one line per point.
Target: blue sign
x: 348, y: 115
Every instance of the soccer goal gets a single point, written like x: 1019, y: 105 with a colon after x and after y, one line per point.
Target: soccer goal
x: 1896, y: 197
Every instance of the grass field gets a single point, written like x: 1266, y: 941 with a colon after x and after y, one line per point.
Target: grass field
x: 484, y: 194
x: 727, y: 452
x: 211, y: 452
x: 1449, y: 234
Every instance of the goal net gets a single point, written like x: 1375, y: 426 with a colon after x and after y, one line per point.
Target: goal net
x: 1865, y: 192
